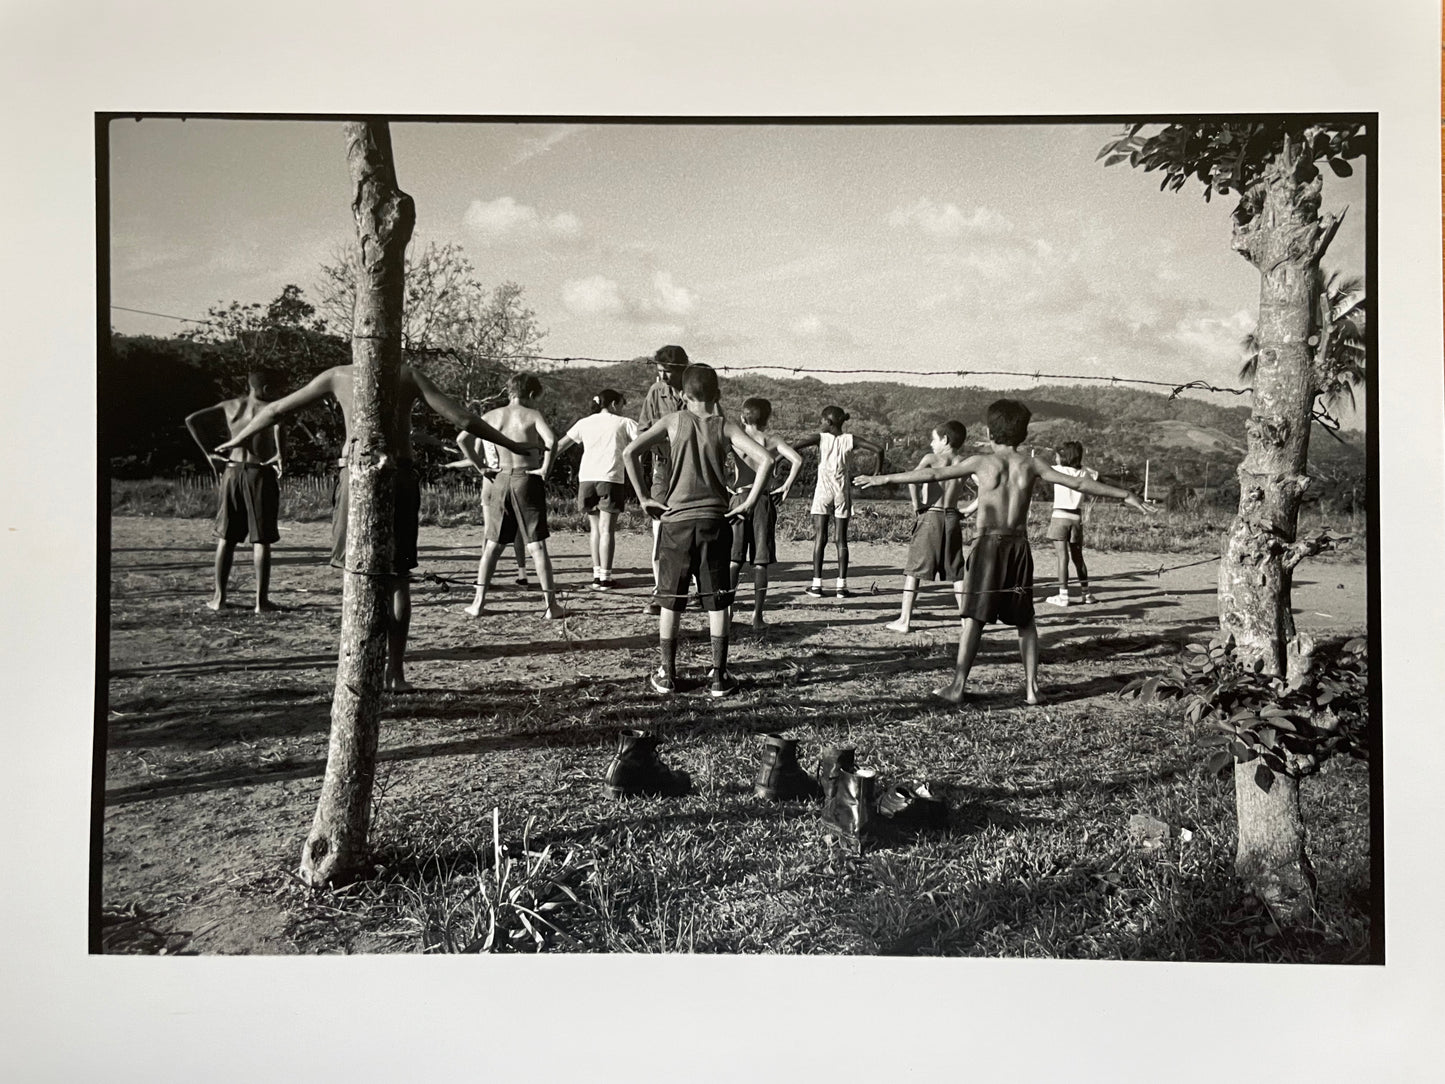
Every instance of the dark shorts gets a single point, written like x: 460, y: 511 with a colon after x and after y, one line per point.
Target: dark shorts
x: 249, y: 502
x: 998, y: 584
x: 601, y: 496
x: 755, y: 534
x: 694, y: 547
x: 936, y: 551
x: 1063, y: 529
x: 517, y: 504
x: 405, y: 517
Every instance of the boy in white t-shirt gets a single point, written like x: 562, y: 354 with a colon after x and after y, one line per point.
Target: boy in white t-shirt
x: 1066, y: 526
x: 832, y: 497
x: 601, y: 477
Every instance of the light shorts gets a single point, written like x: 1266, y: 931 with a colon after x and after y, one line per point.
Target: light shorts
x: 832, y: 498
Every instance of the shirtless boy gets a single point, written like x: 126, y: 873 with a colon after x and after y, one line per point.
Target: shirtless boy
x: 936, y: 548
x: 249, y: 491
x: 412, y: 387
x: 517, y: 501
x: 754, y: 535
x: 999, y: 580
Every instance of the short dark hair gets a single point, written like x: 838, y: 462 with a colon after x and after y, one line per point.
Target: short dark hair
x: 1070, y: 453
x: 700, y: 383
x: 835, y: 416
x: 261, y: 381
x: 609, y: 398
x: 524, y: 386
x: 1008, y: 422
x: 953, y: 432
x: 757, y: 412
x: 671, y: 357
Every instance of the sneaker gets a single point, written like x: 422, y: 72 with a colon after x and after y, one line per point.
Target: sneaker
x: 815, y: 590
x: 721, y: 685
x: 606, y: 585
x: 843, y: 592
x: 596, y: 584
x: 521, y: 581
x: 1057, y: 600
x: 1088, y: 598
x: 661, y: 683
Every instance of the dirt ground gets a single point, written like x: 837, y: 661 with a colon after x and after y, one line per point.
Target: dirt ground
x: 217, y: 722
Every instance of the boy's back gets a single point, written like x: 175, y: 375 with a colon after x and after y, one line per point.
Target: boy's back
x: 521, y: 424
x: 1005, y: 479
x: 697, y: 486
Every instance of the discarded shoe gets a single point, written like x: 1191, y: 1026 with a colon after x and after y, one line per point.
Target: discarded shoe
x: 637, y: 770
x: 780, y: 777
x: 848, y: 808
x: 912, y: 808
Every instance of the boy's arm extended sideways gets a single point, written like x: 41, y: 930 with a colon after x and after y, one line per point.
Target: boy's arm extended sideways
x: 931, y: 474
x: 1090, y: 486
x: 453, y: 411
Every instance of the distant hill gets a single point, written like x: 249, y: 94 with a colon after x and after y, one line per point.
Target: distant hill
x: 1191, y: 445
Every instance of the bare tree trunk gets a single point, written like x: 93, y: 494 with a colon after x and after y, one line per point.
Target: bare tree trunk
x: 336, y: 848
x: 1278, y: 228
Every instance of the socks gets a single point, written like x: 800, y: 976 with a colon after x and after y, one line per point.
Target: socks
x: 817, y: 581
x: 842, y: 583
x: 720, y: 654
x: 669, y: 658
x: 604, y: 573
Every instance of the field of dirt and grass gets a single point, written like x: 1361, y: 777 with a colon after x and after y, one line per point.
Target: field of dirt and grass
x: 217, y: 730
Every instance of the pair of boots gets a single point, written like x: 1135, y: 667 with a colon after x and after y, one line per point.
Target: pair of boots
x: 855, y: 813
x: 637, y: 770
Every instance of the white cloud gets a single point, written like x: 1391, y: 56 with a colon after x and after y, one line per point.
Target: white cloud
x: 504, y: 219
x: 671, y: 298
x: 810, y: 327
x: 1215, y: 336
x: 531, y: 148
x: 948, y: 220
x: 595, y: 296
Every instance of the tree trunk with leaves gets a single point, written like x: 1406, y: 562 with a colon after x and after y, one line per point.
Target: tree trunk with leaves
x: 336, y: 849
x: 1279, y: 229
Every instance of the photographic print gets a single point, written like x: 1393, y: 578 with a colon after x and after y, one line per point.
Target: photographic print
x: 904, y: 536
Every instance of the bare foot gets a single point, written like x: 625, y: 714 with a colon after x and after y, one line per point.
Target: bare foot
x: 554, y: 612
x: 953, y: 692
x: 1032, y: 697
x: 398, y: 684
x: 897, y: 626
x: 474, y: 610
x: 267, y: 606
x: 758, y: 622
x: 215, y: 602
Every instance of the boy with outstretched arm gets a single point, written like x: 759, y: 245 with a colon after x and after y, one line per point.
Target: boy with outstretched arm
x: 249, y: 489
x: 412, y: 387
x: 999, y: 579
x: 694, y: 537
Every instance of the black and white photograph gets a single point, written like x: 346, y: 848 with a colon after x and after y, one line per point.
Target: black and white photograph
x: 724, y: 545
x: 811, y: 557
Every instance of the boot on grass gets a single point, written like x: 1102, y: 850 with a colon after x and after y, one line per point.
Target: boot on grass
x: 637, y: 770
x: 780, y: 777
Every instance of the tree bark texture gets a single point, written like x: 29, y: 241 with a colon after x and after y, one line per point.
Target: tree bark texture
x: 336, y: 849
x: 1270, y: 859
x: 1278, y: 228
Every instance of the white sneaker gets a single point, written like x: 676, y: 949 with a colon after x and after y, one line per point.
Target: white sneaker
x: 1057, y: 600
x: 1088, y: 599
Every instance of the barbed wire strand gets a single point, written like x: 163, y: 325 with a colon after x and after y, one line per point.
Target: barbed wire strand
x: 1177, y: 388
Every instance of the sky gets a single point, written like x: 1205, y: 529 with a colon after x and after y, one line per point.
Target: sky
x: 907, y: 247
